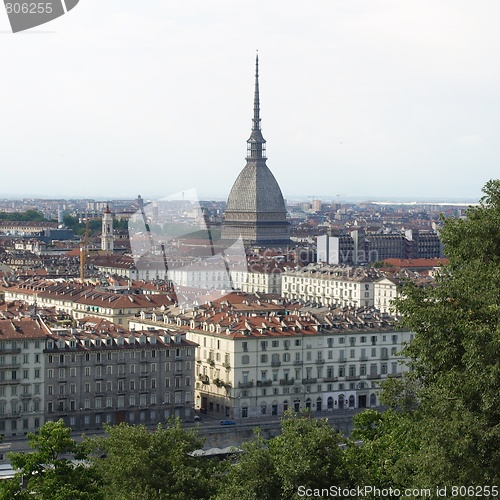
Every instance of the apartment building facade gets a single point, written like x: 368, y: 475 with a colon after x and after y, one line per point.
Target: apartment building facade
x: 330, y: 285
x: 256, y: 362
x: 100, y: 373
x: 21, y: 376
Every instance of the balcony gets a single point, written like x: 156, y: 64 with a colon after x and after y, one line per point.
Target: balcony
x: 297, y: 362
x: 17, y: 350
x: 264, y: 383
x: 384, y: 356
x: 330, y: 379
x: 394, y: 375
x: 13, y: 366
x: 25, y: 396
x: 289, y: 381
x: 363, y: 358
x: 320, y: 362
x: 227, y: 366
x: 352, y: 377
x: 276, y: 363
x: 210, y: 361
x: 8, y: 382
x: 341, y: 360
x: 309, y: 380
x: 373, y: 376
x: 245, y: 385
x: 204, y: 378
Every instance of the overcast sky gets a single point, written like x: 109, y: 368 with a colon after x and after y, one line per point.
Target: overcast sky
x: 361, y: 98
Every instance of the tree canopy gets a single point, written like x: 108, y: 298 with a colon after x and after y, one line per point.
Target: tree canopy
x: 455, y: 355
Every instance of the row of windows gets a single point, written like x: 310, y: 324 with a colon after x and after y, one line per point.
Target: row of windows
x: 17, y: 345
x: 99, y: 371
x: 286, y: 357
x: 14, y: 360
x: 264, y: 344
x: 121, y: 402
x: 15, y: 425
x: 328, y: 372
x: 16, y: 406
x: 121, y: 355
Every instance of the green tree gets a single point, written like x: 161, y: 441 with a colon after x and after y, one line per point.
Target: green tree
x: 253, y: 476
x: 306, y: 453
x: 136, y: 463
x: 49, y: 473
x: 455, y: 356
x: 382, y: 450
x: 29, y: 215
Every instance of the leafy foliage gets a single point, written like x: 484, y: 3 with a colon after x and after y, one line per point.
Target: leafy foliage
x: 306, y: 454
x: 136, y: 463
x: 29, y: 215
x: 48, y: 473
x: 455, y: 355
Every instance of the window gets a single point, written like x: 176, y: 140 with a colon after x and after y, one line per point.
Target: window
x: 245, y: 359
x: 263, y: 358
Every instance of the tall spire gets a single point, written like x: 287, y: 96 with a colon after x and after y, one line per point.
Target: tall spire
x: 256, y: 100
x: 256, y: 144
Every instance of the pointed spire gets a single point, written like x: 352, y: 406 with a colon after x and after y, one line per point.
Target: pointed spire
x: 256, y: 144
x: 256, y: 100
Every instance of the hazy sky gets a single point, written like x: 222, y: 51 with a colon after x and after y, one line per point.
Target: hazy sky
x: 362, y: 98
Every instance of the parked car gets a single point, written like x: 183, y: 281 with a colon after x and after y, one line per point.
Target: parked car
x: 227, y: 422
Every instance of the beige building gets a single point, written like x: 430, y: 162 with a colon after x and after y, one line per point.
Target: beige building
x: 331, y: 285
x: 81, y: 301
x: 261, y: 358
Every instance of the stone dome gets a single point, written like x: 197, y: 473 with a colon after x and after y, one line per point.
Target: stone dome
x: 255, y: 190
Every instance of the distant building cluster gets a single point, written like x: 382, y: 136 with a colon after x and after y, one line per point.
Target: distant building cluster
x: 103, y: 328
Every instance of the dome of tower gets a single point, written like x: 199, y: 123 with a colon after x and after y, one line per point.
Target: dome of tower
x: 255, y: 190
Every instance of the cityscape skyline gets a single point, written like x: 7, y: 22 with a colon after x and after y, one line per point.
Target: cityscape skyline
x: 359, y: 100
